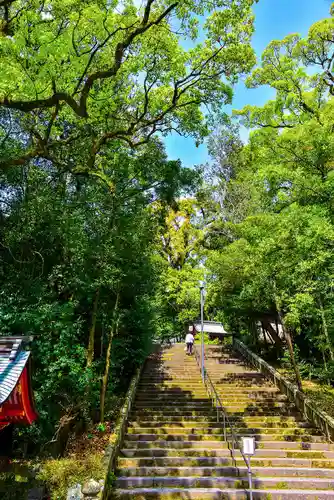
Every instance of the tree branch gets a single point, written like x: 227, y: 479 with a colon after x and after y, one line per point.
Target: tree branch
x: 120, y: 50
x: 269, y: 125
x: 81, y: 108
x: 6, y: 3
x: 49, y: 102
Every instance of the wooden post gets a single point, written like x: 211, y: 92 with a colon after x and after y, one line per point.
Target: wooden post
x: 113, y: 331
x: 90, y: 351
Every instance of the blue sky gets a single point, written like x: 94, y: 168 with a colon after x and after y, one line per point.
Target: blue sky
x: 274, y: 19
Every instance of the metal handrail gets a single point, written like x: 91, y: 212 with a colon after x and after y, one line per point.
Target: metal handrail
x: 216, y: 401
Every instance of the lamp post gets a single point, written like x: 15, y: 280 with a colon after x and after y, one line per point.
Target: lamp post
x: 201, y: 285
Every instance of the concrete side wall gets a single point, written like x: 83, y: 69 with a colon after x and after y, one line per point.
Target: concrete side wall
x: 318, y: 418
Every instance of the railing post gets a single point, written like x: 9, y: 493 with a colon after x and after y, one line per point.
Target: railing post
x: 233, y: 453
x: 250, y: 479
x: 224, y: 426
x: 202, y: 333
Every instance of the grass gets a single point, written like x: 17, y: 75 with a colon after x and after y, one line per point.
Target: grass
x: 322, y: 395
x: 83, y: 461
x: 305, y: 454
x: 61, y: 474
x: 14, y: 486
x: 282, y: 485
x: 58, y: 475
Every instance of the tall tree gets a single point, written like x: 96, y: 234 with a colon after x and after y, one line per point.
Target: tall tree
x: 273, y: 245
x: 87, y: 74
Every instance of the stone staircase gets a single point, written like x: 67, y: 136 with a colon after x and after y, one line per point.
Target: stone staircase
x: 174, y: 447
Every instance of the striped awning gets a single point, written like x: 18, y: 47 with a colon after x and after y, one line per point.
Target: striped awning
x: 10, y: 372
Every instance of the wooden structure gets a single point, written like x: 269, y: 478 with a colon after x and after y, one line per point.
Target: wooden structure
x: 16, y: 399
x: 214, y: 329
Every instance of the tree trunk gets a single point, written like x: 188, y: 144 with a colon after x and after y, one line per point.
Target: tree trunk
x: 265, y: 340
x: 90, y: 351
x: 254, y: 332
x: 288, y: 339
x: 325, y: 329
x: 113, y: 332
x: 272, y: 332
x: 293, y: 360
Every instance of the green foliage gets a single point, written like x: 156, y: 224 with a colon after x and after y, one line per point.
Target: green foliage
x: 63, y: 239
x: 178, y: 295
x: 13, y: 486
x: 82, y: 75
x: 207, y: 340
x: 271, y: 245
x: 87, y: 91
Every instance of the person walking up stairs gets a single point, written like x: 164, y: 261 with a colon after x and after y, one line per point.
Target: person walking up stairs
x: 175, y: 449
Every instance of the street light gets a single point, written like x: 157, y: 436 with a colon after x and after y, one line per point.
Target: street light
x: 201, y: 286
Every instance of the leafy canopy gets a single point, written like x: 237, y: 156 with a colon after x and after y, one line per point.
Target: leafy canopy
x: 87, y: 73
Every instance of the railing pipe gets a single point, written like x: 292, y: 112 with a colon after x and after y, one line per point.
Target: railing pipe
x: 202, y: 333
x: 235, y: 444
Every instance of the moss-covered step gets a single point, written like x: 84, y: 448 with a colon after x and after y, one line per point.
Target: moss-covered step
x: 222, y: 482
x: 206, y: 461
x: 238, y: 412
x: 174, y: 446
x: 217, y: 494
x: 228, y: 471
x: 246, y: 421
x: 172, y: 393
x: 186, y: 403
x: 303, y: 440
x: 214, y: 442
x: 167, y: 450
x: 216, y: 428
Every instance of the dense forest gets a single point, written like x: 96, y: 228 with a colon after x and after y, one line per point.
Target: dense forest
x: 103, y: 238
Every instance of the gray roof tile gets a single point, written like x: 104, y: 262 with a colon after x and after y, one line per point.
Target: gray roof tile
x: 12, y: 363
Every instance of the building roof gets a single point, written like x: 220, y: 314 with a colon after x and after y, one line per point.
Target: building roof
x: 210, y: 327
x: 12, y: 362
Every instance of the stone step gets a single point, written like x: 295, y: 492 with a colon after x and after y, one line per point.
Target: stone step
x: 265, y: 435
x: 255, y: 420
x: 285, y: 434
x: 165, y: 378
x: 231, y: 395
x: 171, y: 386
x: 174, y: 374
x: 219, y: 461
x: 216, y: 360
x: 205, y: 405
x: 228, y: 471
x: 218, y: 494
x: 179, y: 399
x: 266, y: 441
x: 228, y: 388
x: 241, y: 372
x: 175, y: 448
x: 241, y: 382
x: 171, y: 412
x: 219, y: 451
x: 173, y: 391
x: 172, y: 427
x: 225, y: 482
x: 180, y: 392
x: 185, y: 442
x: 177, y: 396
x: 237, y: 412
x: 226, y: 401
